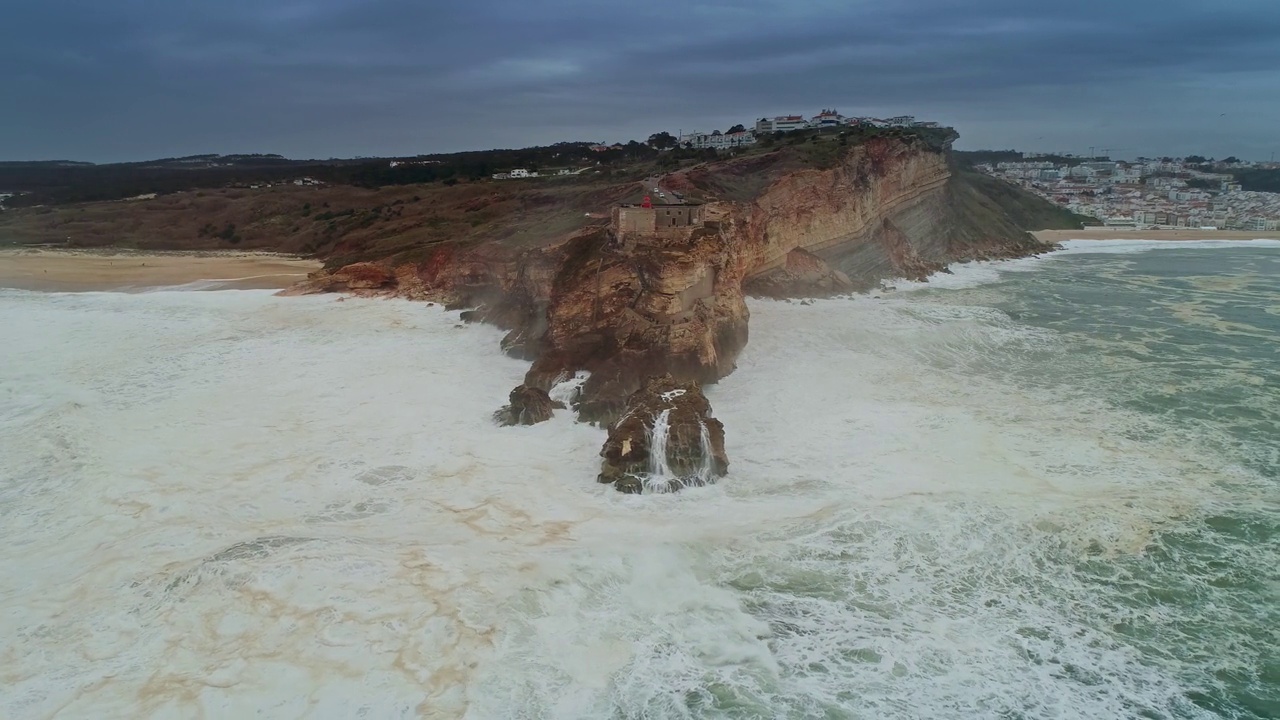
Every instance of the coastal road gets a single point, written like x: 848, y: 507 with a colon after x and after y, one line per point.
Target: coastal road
x: 656, y: 182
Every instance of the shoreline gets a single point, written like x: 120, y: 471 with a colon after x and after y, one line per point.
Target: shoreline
x: 1188, y: 234
x: 118, y: 270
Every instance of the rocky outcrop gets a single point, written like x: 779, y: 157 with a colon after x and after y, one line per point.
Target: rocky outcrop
x: 666, y: 440
x: 625, y: 306
x: 620, y: 312
x: 526, y: 406
x: 358, y: 278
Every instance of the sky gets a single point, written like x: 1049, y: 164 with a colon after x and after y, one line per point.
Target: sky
x: 113, y: 80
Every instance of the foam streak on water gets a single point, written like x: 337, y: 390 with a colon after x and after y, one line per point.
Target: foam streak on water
x: 939, y: 506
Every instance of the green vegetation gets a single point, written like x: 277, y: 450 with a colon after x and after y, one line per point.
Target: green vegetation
x: 973, y: 158
x: 662, y: 141
x: 227, y: 233
x: 55, y: 183
x: 1026, y: 210
x: 1259, y: 180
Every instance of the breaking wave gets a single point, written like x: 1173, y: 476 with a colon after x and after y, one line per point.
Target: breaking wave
x: 949, y: 503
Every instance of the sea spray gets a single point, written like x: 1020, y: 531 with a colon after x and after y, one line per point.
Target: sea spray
x: 566, y: 390
x: 660, y: 477
x: 704, y: 439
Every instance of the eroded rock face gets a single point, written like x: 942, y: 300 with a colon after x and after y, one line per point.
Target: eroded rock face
x: 803, y: 275
x: 666, y: 440
x: 527, y: 406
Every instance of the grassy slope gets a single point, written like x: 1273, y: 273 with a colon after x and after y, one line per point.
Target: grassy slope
x: 1259, y: 180
x: 338, y: 223
x: 1030, y: 212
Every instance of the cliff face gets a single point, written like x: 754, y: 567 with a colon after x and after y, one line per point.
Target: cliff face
x: 626, y: 307
x: 888, y: 209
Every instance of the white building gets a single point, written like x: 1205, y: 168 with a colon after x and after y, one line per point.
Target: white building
x: 718, y: 140
x: 827, y: 119
x: 781, y: 123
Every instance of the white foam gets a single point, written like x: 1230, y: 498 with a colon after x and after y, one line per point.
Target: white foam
x: 235, y: 504
x: 660, y: 474
x: 566, y: 390
x: 962, y: 276
x: 1128, y: 246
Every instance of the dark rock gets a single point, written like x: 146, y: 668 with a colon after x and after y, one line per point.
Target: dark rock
x: 528, y: 405
x: 665, y: 440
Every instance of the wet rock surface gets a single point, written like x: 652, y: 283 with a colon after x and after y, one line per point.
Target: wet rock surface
x: 358, y: 278
x: 665, y: 440
x: 527, y: 406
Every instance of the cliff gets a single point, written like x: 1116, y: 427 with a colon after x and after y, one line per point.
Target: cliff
x: 627, y: 306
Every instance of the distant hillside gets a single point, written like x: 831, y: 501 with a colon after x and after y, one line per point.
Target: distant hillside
x: 973, y: 158
x: 61, y: 182
x: 1028, y: 211
x: 1259, y: 180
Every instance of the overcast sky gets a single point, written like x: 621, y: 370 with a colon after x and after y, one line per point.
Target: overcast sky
x: 106, y: 80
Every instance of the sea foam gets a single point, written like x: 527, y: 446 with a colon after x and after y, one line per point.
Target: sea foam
x: 233, y: 504
x: 1126, y: 246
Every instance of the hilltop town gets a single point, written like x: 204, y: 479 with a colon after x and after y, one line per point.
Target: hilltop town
x: 1191, y: 192
x: 739, y: 136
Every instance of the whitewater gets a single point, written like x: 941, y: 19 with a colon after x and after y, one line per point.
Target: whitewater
x: 1038, y: 489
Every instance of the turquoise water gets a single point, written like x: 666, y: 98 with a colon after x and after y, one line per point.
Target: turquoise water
x: 1191, y: 339
x: 1189, y: 336
x: 1184, y: 346
x: 1173, y: 356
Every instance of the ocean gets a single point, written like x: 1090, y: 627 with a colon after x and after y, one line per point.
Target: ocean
x: 1044, y: 488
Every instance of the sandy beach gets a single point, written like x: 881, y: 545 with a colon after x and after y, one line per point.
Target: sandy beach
x: 79, y: 271
x: 1131, y: 234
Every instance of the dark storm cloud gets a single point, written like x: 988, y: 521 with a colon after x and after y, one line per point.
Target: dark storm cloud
x: 320, y: 78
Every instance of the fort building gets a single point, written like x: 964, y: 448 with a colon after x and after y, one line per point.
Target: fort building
x: 657, y: 219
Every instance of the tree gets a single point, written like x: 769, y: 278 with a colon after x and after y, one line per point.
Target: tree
x: 662, y: 141
x: 735, y: 129
x: 1195, y: 159
x: 1232, y: 159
